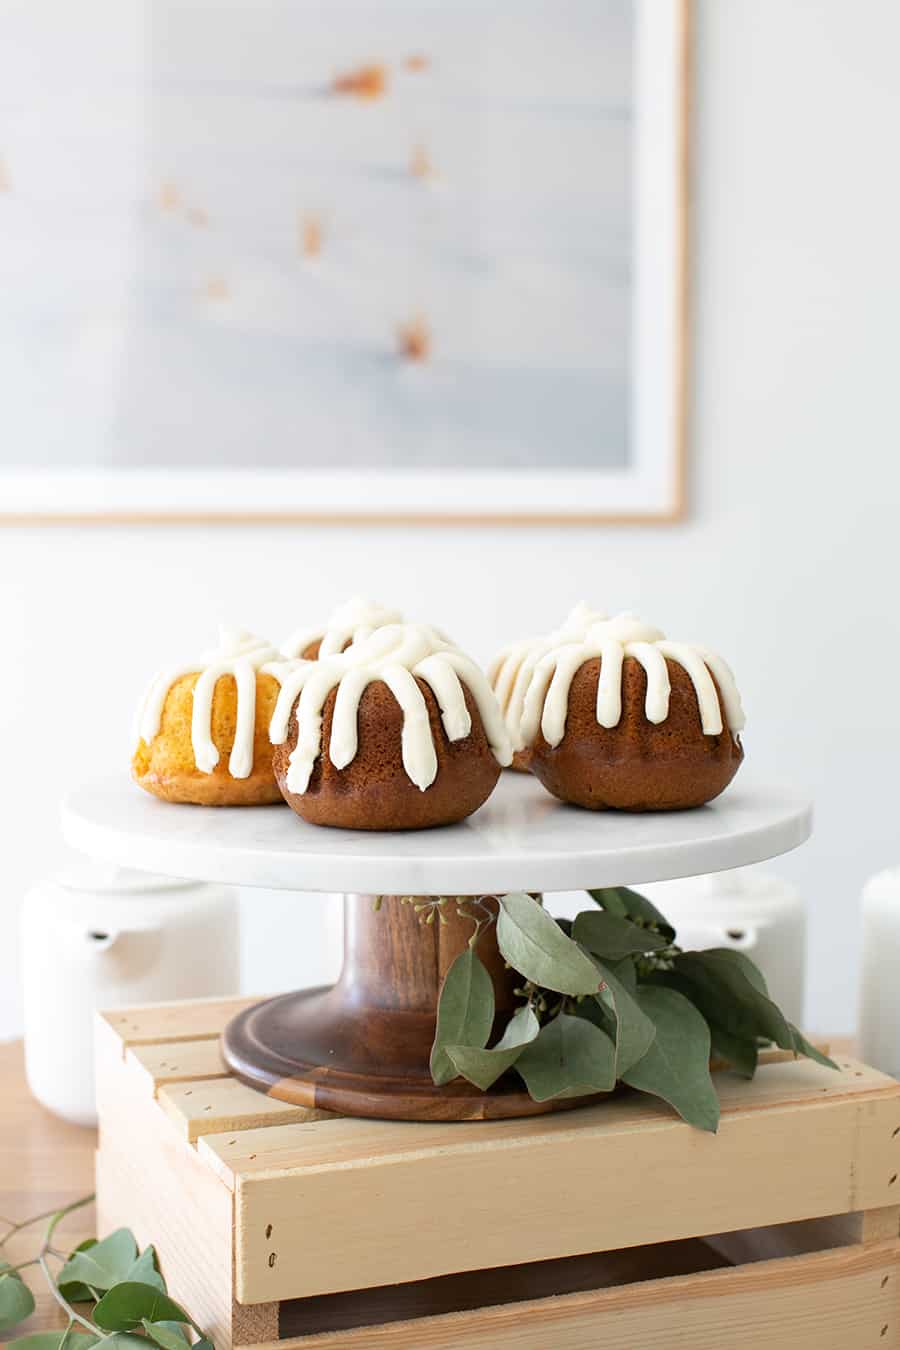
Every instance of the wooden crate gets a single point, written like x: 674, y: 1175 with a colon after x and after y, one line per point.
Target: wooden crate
x: 614, y: 1225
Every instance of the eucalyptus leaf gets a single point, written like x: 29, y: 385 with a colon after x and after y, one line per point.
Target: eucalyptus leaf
x: 52, y: 1340
x: 803, y: 1047
x: 676, y: 1066
x: 570, y: 1058
x: 145, y: 1271
x: 747, y: 967
x: 126, y: 1305
x: 166, y: 1334
x: 742, y: 1054
x: 104, y: 1264
x: 621, y: 1015
x: 611, y: 937
x: 724, y: 994
x: 628, y: 904
x: 74, y: 1291
x: 16, y: 1300
x: 465, y: 1012
x: 484, y: 1067
x: 203, y: 1344
x: 533, y: 943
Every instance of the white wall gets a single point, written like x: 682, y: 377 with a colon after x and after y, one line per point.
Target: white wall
x: 787, y: 562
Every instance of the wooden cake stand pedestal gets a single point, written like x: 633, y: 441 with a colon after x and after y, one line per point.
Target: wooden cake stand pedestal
x: 362, y: 1047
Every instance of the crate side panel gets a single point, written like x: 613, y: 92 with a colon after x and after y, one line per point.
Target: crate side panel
x: 432, y: 1211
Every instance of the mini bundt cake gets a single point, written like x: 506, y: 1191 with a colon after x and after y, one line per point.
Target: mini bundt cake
x: 510, y: 671
x: 624, y: 719
x: 203, y: 728
x: 350, y: 622
x: 399, y: 731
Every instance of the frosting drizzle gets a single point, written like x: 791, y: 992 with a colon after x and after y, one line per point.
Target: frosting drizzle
x: 397, y: 654
x: 351, y: 622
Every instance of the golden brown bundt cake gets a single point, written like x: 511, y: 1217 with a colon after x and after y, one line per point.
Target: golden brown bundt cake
x: 203, y: 728
x: 400, y: 731
x: 627, y: 720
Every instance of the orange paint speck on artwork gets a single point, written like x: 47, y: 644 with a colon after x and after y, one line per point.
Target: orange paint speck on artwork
x: 417, y: 61
x: 216, y: 289
x: 310, y: 236
x: 364, y: 82
x: 197, y: 216
x: 420, y: 164
x: 414, y: 339
x: 169, y: 197
x: 5, y: 180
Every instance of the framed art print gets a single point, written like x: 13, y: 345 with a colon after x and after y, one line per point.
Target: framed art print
x: 362, y: 259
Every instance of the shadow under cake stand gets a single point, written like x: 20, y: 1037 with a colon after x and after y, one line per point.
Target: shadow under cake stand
x: 362, y: 1046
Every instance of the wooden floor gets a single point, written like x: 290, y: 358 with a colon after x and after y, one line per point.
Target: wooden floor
x: 44, y: 1164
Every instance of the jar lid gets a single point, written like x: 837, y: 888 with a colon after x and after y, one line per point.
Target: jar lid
x: 106, y: 879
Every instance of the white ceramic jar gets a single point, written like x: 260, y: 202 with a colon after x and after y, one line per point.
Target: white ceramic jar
x: 749, y: 911
x: 100, y: 937
x: 879, y: 997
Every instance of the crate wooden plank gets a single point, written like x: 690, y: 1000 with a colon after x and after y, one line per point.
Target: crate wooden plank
x: 362, y: 1196
x: 195, y: 1019
x: 177, y: 1062
x: 828, y: 1301
x: 208, y: 1106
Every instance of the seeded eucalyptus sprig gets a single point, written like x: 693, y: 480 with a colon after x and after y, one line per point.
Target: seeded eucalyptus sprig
x: 609, y: 997
x: 121, y: 1293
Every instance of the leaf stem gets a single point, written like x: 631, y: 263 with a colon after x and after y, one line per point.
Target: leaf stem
x: 56, y: 1217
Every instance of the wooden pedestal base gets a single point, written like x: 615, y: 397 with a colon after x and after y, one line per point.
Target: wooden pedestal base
x: 362, y: 1047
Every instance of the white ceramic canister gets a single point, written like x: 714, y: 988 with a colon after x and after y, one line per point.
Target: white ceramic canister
x: 879, y: 995
x: 749, y: 911
x: 100, y: 937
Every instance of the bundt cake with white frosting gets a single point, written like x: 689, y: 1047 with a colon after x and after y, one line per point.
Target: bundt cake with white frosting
x: 203, y: 727
x: 620, y: 717
x: 400, y: 730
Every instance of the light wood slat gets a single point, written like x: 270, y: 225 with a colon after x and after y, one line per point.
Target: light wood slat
x: 208, y: 1106
x: 642, y: 1179
x: 177, y: 1062
x: 830, y: 1301
x: 350, y: 1141
x: 197, y: 1019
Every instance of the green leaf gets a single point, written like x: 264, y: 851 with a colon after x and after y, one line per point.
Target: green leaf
x: 625, y: 971
x: 74, y: 1291
x: 741, y: 1054
x: 803, y: 1047
x: 628, y: 904
x: 570, y: 1058
x: 167, y: 1334
x: 126, y: 1305
x: 484, y: 1067
x: 203, y: 1344
x: 145, y: 1271
x: 748, y: 968
x: 16, y: 1299
x: 533, y: 943
x: 724, y: 994
x: 52, y: 1340
x: 676, y: 1066
x: 631, y: 1029
x: 611, y: 937
x: 104, y: 1264
x: 465, y: 1012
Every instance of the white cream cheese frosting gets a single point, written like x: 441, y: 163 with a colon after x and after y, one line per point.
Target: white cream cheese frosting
x: 238, y: 654
x: 543, y: 703
x: 397, y: 654
x: 510, y: 672
x: 353, y: 621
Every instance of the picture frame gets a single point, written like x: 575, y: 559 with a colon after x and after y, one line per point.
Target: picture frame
x: 649, y: 488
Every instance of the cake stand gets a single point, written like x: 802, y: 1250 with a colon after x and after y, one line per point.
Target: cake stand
x: 362, y: 1047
